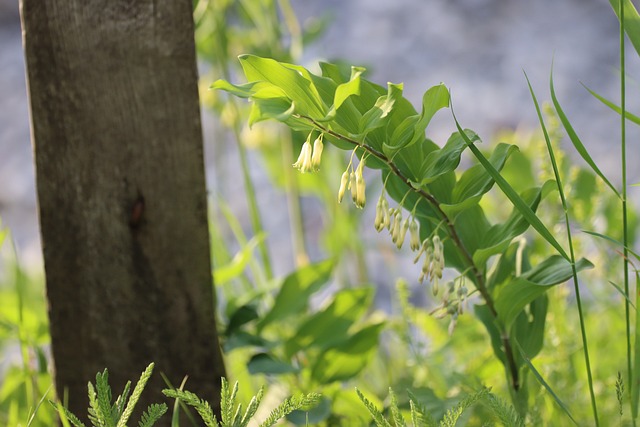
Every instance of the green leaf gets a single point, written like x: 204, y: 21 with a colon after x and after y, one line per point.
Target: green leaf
x: 631, y: 21
x: 632, y: 117
x: 446, y: 159
x: 299, y: 89
x: 434, y: 99
x: 331, y: 324
x: 577, y: 143
x: 378, y: 115
x: 345, y: 90
x: 476, y: 181
x: 514, y: 197
x: 280, y: 109
x: 263, y: 363
x: 499, y: 236
x: 347, y: 359
x: 243, y: 315
x: 259, y: 89
x: 528, y: 328
x: 520, y: 291
x: 296, y: 290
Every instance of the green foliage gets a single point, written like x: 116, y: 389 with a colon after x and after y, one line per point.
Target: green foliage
x: 103, y: 413
x: 383, y: 130
x: 231, y: 410
x: 421, y: 418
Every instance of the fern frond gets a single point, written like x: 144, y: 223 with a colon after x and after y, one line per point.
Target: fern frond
x: 201, y: 406
x: 505, y: 412
x: 252, y: 408
x: 236, y: 417
x: 152, y: 414
x: 67, y: 414
x: 452, y: 415
x: 94, y: 408
x: 289, y: 405
x: 419, y: 415
x: 103, y: 391
x: 135, y: 396
x: 121, y: 401
x: 375, y: 412
x: 397, y: 417
x: 227, y: 401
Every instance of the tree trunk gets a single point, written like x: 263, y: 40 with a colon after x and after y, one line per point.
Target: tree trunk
x: 123, y: 211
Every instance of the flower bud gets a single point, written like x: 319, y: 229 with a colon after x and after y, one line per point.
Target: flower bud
x: 344, y: 180
x: 303, y: 164
x: 386, y: 223
x: 397, y: 225
x: 360, y: 193
x: 361, y: 198
x: 318, y: 146
x: 380, y: 214
x: 403, y: 232
x: 414, y: 241
x: 352, y: 186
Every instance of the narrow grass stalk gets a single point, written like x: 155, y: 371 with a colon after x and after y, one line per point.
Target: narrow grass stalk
x: 625, y: 234
x: 250, y: 191
x: 576, y: 285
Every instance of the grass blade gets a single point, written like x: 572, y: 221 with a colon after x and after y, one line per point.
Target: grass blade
x: 556, y: 172
x: 542, y: 382
x: 509, y: 191
x: 632, y: 117
x: 621, y: 291
x: 612, y: 240
x: 577, y: 143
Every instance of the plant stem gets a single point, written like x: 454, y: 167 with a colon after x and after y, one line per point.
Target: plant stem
x: 252, y: 200
x: 625, y: 234
x: 453, y: 234
x: 573, y: 265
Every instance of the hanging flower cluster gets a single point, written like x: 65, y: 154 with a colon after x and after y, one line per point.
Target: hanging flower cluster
x: 354, y: 181
x: 309, y: 158
x: 453, y: 302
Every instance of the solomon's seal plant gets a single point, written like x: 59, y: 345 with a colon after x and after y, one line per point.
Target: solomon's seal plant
x: 435, y: 203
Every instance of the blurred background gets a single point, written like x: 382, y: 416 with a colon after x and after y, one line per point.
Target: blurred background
x: 478, y: 48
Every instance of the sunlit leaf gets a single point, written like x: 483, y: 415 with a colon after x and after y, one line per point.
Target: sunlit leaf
x: 376, y: 116
x: 300, y: 90
x: 434, y: 99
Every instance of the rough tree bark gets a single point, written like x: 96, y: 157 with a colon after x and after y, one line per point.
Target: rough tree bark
x: 121, y: 190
